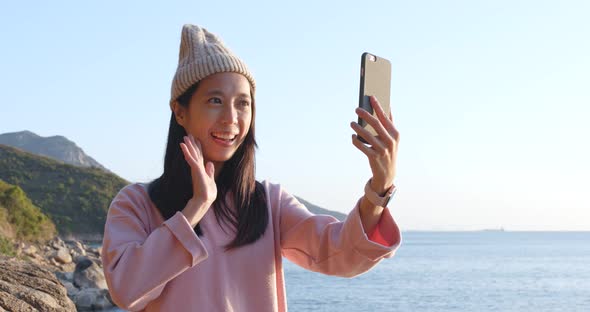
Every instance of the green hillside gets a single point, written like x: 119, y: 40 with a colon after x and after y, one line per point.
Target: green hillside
x: 21, y: 220
x: 75, y: 198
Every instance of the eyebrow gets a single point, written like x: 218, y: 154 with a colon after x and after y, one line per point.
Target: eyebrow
x: 218, y: 92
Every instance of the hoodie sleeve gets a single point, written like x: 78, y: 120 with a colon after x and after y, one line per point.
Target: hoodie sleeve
x: 137, y: 263
x: 322, y: 244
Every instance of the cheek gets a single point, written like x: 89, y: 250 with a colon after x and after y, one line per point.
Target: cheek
x: 201, y: 121
x: 198, y: 129
x: 247, y: 120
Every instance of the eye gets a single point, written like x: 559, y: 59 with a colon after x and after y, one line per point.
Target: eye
x: 214, y: 100
x: 245, y: 103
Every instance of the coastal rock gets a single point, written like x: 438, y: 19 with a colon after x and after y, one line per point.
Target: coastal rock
x: 25, y: 286
x: 77, y: 249
x: 62, y: 255
x: 96, y: 251
x: 57, y: 243
x: 89, y: 274
x: 93, y: 299
x: 68, y: 267
x: 30, y: 251
x: 72, y: 290
x: 54, y: 262
x: 75, y: 265
x: 79, y: 258
x: 65, y: 276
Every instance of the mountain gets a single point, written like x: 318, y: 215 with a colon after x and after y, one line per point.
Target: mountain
x: 75, y: 198
x: 318, y: 210
x: 56, y: 147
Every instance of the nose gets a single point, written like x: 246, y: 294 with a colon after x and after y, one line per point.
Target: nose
x: 229, y: 115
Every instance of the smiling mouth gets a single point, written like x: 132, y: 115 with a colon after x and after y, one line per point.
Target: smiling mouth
x: 227, y: 138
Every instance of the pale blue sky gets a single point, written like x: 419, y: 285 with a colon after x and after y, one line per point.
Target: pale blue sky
x: 491, y: 97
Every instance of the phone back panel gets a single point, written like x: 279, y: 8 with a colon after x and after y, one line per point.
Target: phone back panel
x: 375, y: 80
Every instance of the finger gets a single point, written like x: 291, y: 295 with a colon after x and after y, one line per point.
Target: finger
x: 365, y: 134
x: 394, y: 131
x: 188, y: 156
x: 377, y: 107
x: 190, y: 146
x: 362, y: 147
x: 199, y: 147
x: 386, y: 122
x: 194, y: 148
x: 376, y: 124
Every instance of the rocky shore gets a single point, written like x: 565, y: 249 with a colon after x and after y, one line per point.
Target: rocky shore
x: 59, y: 276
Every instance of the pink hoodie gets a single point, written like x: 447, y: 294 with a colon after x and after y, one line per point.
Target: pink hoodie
x: 156, y: 265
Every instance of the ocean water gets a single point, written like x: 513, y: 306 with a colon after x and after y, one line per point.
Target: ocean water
x: 459, y: 271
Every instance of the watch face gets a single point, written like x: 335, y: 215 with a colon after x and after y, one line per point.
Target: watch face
x: 386, y: 201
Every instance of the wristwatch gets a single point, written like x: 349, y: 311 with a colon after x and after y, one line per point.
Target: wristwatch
x: 375, y: 198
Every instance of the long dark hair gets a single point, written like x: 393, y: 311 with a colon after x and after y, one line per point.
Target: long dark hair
x: 172, y: 190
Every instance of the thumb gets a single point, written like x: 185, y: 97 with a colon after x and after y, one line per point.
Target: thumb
x: 210, y: 169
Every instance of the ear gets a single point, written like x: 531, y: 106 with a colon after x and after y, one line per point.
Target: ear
x: 179, y: 113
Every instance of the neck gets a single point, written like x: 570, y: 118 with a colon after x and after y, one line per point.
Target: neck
x: 218, y: 166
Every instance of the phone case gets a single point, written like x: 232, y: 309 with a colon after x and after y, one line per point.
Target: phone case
x: 375, y: 80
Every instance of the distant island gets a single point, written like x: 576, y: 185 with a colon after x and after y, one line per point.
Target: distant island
x: 500, y: 229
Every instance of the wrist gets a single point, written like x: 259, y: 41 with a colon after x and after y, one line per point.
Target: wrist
x: 195, y: 210
x: 368, y: 207
x: 378, y: 199
x: 380, y: 187
x: 196, y: 202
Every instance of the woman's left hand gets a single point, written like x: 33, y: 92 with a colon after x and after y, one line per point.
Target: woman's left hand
x: 382, y: 152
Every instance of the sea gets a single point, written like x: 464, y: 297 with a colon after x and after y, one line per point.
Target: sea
x: 458, y: 271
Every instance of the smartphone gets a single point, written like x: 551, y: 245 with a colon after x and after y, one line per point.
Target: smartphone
x: 375, y: 80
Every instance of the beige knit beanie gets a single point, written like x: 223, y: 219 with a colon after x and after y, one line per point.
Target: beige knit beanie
x: 202, y: 54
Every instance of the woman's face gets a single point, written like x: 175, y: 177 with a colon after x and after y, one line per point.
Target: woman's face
x: 218, y: 115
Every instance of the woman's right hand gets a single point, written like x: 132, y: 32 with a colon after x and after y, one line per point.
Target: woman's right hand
x: 203, y: 176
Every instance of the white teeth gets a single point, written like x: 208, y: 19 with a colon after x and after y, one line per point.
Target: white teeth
x: 224, y: 136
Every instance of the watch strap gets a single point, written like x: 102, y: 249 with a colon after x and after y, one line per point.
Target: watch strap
x: 375, y: 198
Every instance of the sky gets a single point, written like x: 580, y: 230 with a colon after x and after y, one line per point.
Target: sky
x: 491, y: 98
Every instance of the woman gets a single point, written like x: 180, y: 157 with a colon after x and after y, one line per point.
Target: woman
x: 206, y: 236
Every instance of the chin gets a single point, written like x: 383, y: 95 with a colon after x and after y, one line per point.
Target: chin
x: 221, y: 157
